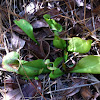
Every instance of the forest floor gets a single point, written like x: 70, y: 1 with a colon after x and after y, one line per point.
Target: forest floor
x: 78, y: 18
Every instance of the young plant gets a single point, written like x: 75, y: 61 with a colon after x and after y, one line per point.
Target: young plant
x: 90, y: 64
x: 32, y: 69
x: 56, y: 28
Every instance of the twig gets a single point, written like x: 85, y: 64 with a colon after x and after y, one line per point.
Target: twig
x: 20, y: 88
x: 73, y: 87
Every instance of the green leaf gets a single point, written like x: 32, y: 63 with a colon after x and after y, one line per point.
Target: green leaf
x: 47, y: 61
x: 65, y: 55
x: 12, y: 63
x: 26, y: 27
x: 59, y: 43
x: 9, y: 60
x: 88, y: 64
x: 52, y: 68
x: 77, y: 44
x: 46, y: 16
x: 53, y: 24
x: 56, y: 73
x: 57, y: 61
x: 33, y: 68
x: 36, y: 78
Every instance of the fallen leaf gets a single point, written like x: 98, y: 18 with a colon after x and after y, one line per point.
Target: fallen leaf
x: 13, y: 95
x: 41, y: 33
x: 71, y: 92
x: 39, y: 24
x: 86, y: 93
x: 15, y: 28
x: 29, y: 90
x: 10, y: 83
x: 96, y: 10
x: 51, y: 12
x: 41, y: 51
x: 17, y: 43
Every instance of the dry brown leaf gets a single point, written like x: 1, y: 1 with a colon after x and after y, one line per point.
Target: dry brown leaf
x: 46, y: 10
x: 10, y: 83
x: 96, y: 10
x: 86, y: 93
x: 17, y: 43
x: 39, y: 24
x: 13, y: 95
x: 72, y: 92
x: 29, y: 90
x: 41, y: 51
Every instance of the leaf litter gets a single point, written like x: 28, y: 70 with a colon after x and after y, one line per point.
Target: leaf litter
x: 79, y: 19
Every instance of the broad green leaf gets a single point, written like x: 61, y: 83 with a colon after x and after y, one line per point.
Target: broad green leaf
x: 77, y: 44
x: 59, y: 43
x: 36, y: 78
x: 33, y: 68
x: 40, y: 71
x: 39, y: 63
x: 53, y: 24
x: 88, y: 64
x: 56, y: 73
x: 26, y: 27
x: 12, y: 63
x: 57, y: 61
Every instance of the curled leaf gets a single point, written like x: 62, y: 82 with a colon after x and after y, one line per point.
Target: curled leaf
x: 10, y: 62
x: 53, y: 24
x: 13, y: 58
x: 31, y: 68
x: 77, y: 44
x: 88, y: 64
